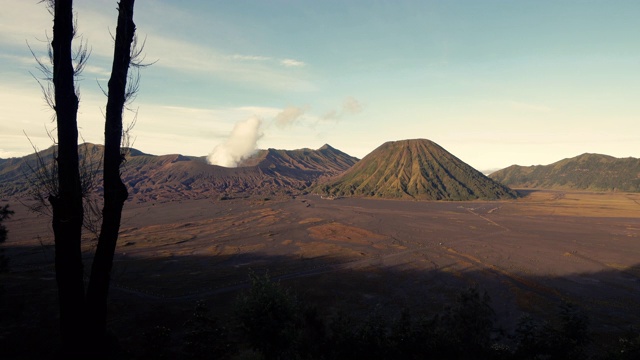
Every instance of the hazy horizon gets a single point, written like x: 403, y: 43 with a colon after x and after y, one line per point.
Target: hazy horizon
x: 495, y: 83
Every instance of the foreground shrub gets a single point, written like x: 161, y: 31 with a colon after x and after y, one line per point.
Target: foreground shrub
x: 568, y: 339
x: 269, y: 316
x: 205, y: 337
x: 275, y: 324
x: 466, y: 326
x: 628, y: 346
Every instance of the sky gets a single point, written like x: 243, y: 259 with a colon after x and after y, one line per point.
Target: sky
x: 495, y: 82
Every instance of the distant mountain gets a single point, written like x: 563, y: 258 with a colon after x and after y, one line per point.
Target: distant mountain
x: 584, y: 172
x: 326, y: 161
x: 415, y: 169
x: 170, y: 177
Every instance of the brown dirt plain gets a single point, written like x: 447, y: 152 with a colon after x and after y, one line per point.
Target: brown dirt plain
x: 353, y: 253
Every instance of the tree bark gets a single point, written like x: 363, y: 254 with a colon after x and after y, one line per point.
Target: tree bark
x: 83, y: 316
x: 115, y: 192
x: 67, y: 203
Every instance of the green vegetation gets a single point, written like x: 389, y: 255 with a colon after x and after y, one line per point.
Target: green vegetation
x: 568, y: 339
x: 629, y: 346
x: 585, y: 172
x: 272, y: 322
x: 203, y: 337
x: 270, y: 317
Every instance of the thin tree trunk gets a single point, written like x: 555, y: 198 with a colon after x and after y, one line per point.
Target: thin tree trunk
x: 67, y: 204
x: 115, y: 192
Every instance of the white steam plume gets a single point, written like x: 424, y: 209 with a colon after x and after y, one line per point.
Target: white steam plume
x: 240, y: 144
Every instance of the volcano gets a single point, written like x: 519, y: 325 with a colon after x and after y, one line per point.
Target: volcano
x: 417, y: 169
x: 172, y: 177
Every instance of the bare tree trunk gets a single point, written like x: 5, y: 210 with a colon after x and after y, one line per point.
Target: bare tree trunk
x: 67, y: 203
x: 115, y: 192
x: 83, y: 317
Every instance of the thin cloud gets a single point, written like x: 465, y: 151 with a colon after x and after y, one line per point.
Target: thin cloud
x: 331, y: 115
x: 289, y: 116
x: 24, y: 60
x: 32, y: 22
x: 23, y: 20
x: 292, y: 63
x: 253, y: 70
x: 249, y: 57
x: 350, y: 106
x: 97, y: 70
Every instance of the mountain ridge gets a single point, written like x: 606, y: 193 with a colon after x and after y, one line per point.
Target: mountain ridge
x: 169, y: 177
x: 587, y: 171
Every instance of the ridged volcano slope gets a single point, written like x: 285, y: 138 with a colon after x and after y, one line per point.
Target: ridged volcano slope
x: 419, y: 169
x: 174, y: 177
x: 593, y: 172
x: 325, y: 161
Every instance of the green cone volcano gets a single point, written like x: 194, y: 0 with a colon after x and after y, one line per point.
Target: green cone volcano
x: 419, y: 169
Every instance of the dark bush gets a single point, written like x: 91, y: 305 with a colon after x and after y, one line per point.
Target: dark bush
x: 276, y: 324
x: 205, y: 337
x: 567, y: 340
x: 269, y: 317
x: 5, y: 213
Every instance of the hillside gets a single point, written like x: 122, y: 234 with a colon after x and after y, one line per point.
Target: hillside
x: 593, y: 172
x: 172, y: 177
x: 418, y: 169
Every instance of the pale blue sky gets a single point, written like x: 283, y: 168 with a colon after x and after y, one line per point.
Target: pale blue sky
x: 493, y: 82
